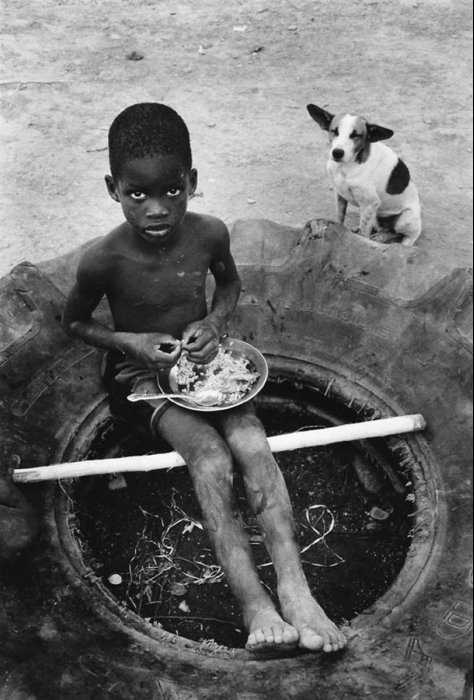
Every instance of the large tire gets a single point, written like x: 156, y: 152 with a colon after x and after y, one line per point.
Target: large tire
x: 380, y: 329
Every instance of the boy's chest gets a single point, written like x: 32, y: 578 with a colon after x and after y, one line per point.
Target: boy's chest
x: 173, y: 281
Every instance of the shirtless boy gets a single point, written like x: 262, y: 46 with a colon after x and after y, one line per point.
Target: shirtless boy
x: 152, y: 270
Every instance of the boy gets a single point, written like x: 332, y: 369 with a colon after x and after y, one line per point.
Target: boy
x: 152, y: 269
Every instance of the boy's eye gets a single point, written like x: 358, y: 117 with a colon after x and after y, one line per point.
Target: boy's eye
x: 174, y: 192
x: 137, y: 196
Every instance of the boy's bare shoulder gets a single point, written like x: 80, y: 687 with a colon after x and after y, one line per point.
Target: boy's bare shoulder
x: 101, y: 254
x: 211, y: 229
x: 206, y: 223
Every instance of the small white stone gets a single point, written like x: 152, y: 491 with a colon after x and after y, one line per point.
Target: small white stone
x: 115, y: 579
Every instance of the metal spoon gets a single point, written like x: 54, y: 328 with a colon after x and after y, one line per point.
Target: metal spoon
x: 203, y: 398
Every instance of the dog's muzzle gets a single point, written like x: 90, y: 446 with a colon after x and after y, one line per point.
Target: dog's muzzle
x: 338, y: 154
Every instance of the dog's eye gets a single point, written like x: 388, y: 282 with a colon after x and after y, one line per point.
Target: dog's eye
x: 355, y: 135
x: 335, y: 131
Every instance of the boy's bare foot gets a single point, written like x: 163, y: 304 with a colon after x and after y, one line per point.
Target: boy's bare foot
x: 268, y: 631
x: 316, y: 631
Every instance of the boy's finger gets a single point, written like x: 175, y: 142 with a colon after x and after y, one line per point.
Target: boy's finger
x: 196, y: 347
x: 166, y: 338
x: 169, y: 348
x: 167, y: 359
x: 204, y: 355
x: 191, y: 337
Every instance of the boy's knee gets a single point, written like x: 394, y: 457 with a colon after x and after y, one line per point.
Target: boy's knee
x: 211, y: 458
x: 247, y: 434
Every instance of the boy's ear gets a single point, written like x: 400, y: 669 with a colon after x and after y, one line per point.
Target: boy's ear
x: 320, y: 116
x: 193, y: 181
x: 111, y: 188
x: 378, y: 133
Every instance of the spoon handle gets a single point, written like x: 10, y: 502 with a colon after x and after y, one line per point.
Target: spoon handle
x: 146, y: 397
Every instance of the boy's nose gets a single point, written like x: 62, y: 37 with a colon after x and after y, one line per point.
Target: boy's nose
x: 156, y: 209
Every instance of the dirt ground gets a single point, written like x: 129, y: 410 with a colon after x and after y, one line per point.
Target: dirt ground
x: 241, y: 75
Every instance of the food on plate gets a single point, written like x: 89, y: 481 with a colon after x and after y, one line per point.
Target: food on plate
x: 230, y: 375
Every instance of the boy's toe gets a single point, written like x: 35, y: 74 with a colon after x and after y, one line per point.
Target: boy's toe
x: 341, y: 641
x: 309, y: 639
x: 255, y: 641
x: 336, y: 641
x: 277, y: 634
x: 290, y: 636
x: 271, y: 633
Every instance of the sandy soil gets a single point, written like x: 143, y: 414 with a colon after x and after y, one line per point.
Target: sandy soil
x: 241, y: 74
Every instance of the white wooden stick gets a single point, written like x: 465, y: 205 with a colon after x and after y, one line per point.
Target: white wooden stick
x: 278, y: 443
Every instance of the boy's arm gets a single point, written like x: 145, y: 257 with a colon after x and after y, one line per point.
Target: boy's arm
x: 78, y: 321
x: 226, y: 293
x: 201, y: 339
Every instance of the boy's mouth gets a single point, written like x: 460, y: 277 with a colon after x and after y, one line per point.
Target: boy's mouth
x: 158, y: 230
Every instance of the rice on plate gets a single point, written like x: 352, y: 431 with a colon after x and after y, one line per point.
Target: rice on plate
x: 228, y: 374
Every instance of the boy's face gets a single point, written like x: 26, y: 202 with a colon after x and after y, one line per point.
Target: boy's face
x: 153, y: 192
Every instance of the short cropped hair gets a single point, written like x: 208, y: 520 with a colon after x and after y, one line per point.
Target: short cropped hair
x: 148, y: 128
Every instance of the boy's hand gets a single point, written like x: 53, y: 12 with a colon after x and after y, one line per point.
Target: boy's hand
x: 201, y: 342
x: 153, y: 350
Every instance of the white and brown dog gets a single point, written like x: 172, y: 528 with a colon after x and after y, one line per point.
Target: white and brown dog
x: 370, y: 175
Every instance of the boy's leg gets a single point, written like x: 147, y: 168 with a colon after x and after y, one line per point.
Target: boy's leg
x: 269, y: 499
x: 211, y: 468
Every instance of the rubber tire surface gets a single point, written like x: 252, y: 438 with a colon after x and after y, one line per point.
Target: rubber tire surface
x: 385, y: 320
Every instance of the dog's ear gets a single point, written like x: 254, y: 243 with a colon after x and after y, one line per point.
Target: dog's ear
x: 378, y: 133
x: 320, y: 116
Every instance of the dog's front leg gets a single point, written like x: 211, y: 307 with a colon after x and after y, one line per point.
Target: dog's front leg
x: 368, y: 220
x: 341, y: 208
x: 369, y: 203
